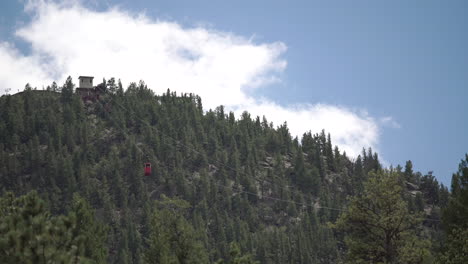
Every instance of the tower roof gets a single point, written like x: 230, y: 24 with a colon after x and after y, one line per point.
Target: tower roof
x: 86, y: 77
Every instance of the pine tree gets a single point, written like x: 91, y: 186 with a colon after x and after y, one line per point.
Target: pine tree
x: 236, y: 257
x: 54, y: 143
x: 455, y: 218
x: 409, y: 171
x: 67, y: 90
x: 172, y: 238
x: 378, y: 226
x: 93, y: 232
x: 29, y: 234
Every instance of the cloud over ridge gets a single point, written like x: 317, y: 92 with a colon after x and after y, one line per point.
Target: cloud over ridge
x: 223, y: 68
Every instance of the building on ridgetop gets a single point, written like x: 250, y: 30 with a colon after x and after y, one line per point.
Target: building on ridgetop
x: 86, y: 89
x: 86, y: 81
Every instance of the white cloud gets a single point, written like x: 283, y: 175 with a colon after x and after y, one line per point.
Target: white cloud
x: 389, y: 122
x: 350, y: 130
x: 223, y: 68
x: 17, y: 70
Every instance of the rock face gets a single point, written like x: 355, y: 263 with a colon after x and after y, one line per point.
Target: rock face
x: 411, y: 186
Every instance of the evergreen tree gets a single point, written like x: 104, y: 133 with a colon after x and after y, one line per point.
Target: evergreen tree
x: 246, y: 181
x: 94, y: 233
x: 67, y: 90
x: 172, y: 238
x: 378, y: 226
x: 29, y: 234
x: 455, y: 218
x: 409, y: 171
x: 236, y: 257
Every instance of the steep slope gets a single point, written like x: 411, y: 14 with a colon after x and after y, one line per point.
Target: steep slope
x: 245, y: 181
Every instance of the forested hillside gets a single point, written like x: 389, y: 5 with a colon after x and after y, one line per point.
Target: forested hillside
x: 223, y: 188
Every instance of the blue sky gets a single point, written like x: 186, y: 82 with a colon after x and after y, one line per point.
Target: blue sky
x: 399, y: 68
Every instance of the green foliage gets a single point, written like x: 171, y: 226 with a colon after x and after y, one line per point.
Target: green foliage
x: 430, y: 188
x: 93, y: 233
x: 246, y: 181
x: 236, y: 257
x: 456, y: 249
x: 409, y: 171
x: 456, y: 213
x: 172, y: 238
x: 29, y: 234
x: 455, y: 218
x: 378, y: 227
x: 67, y: 90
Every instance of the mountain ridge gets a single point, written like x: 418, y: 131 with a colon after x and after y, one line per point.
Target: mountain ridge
x: 244, y: 180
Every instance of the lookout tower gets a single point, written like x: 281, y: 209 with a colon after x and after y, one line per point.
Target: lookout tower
x: 86, y: 90
x: 86, y: 81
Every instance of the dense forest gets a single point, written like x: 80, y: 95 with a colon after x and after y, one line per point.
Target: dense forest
x: 222, y: 189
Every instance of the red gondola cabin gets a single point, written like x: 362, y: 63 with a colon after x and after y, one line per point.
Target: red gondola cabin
x: 147, y: 169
